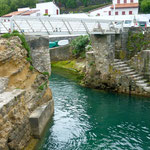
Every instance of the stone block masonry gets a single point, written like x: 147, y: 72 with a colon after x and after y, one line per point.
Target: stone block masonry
x: 39, y: 118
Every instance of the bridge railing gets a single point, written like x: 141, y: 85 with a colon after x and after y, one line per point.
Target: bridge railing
x: 57, y: 25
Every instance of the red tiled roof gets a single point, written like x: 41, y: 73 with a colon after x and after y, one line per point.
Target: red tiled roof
x: 29, y: 12
x: 14, y: 13
x: 127, y: 5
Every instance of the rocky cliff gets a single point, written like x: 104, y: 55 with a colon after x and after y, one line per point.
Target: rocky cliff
x: 22, y: 90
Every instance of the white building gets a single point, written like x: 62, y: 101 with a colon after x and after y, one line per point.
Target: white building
x: 119, y: 7
x: 49, y: 8
x: 41, y: 9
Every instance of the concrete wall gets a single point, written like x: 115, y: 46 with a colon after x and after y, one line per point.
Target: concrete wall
x: 60, y: 53
x: 40, y: 53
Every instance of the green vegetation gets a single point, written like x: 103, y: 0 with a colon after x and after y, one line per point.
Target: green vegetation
x: 145, y: 6
x: 31, y: 68
x: 68, y: 69
x: 7, y: 6
x: 136, y: 42
x: 79, y: 44
x: 43, y: 86
x: 82, y: 8
x: 46, y: 73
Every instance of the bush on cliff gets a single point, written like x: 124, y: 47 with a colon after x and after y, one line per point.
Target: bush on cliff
x: 79, y: 44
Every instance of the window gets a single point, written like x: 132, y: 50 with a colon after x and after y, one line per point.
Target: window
x: 123, y: 13
x: 46, y: 11
x: 130, y: 12
x: 109, y: 13
x: 125, y: 1
x: 57, y: 12
x: 131, y: 1
x: 116, y: 13
x: 118, y: 1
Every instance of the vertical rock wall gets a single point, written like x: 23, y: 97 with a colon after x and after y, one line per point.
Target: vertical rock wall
x: 22, y: 90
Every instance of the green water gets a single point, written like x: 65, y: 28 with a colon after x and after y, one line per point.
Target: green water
x: 87, y: 119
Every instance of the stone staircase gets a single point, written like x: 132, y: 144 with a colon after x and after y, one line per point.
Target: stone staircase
x: 137, y: 78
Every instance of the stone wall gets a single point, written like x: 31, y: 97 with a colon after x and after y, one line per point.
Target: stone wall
x: 101, y: 65
x: 99, y: 60
x: 141, y: 63
x: 40, y: 53
x: 60, y: 53
x: 131, y: 41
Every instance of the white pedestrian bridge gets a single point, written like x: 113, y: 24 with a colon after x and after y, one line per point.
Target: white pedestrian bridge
x: 58, y: 25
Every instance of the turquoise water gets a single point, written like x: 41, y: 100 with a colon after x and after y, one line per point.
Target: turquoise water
x: 87, y: 119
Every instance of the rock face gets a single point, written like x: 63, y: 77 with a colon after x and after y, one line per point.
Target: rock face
x: 22, y: 90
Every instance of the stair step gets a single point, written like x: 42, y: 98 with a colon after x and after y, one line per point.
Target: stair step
x: 116, y: 60
x: 122, y: 65
x: 124, y: 68
x: 128, y: 70
x: 141, y: 81
x: 147, y: 89
x: 138, y: 78
x: 118, y: 63
x: 142, y: 84
x: 134, y: 76
x: 131, y: 73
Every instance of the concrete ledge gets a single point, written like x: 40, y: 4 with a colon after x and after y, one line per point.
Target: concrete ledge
x: 9, y: 99
x: 40, y: 117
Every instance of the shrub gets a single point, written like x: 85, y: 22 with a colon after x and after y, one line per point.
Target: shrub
x: 44, y: 85
x: 79, y: 44
x: 46, y: 74
x: 31, y: 68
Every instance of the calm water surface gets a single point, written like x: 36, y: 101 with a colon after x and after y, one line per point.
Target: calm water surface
x: 87, y: 119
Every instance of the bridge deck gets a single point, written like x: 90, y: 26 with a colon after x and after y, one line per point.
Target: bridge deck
x: 57, y: 25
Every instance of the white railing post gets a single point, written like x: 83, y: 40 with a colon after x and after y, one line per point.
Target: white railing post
x: 11, y: 25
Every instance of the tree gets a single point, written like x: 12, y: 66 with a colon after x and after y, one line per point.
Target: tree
x: 85, y: 2
x: 145, y: 6
x: 71, y: 4
x: 4, y: 8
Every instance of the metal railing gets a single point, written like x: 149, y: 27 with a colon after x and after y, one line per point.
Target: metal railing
x: 58, y: 25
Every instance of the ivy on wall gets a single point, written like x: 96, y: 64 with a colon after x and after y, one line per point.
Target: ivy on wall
x: 136, y: 42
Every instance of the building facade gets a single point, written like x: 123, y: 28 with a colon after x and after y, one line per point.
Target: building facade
x: 118, y: 7
x: 49, y: 8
